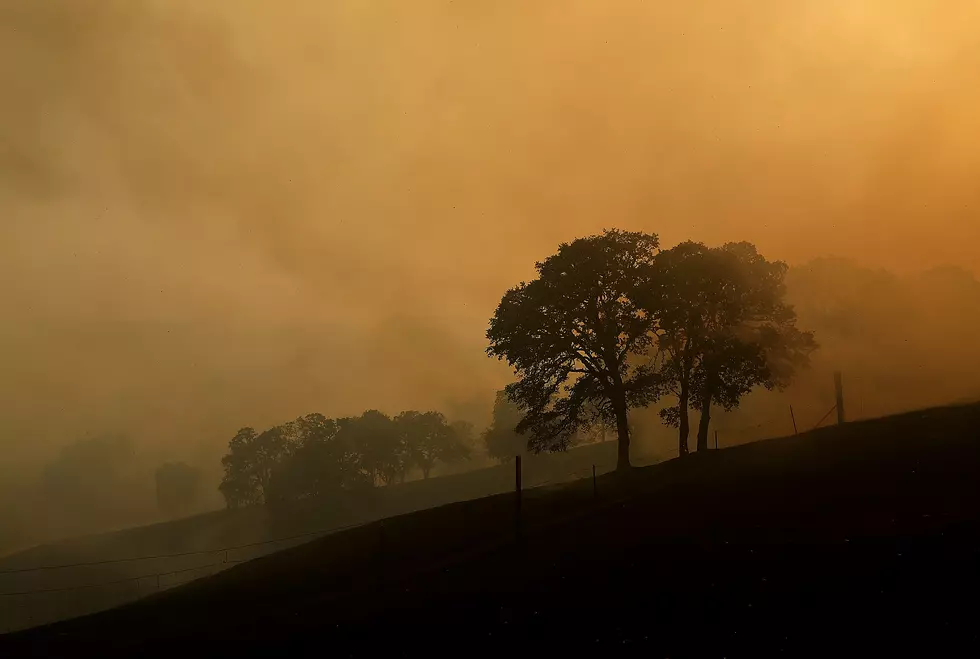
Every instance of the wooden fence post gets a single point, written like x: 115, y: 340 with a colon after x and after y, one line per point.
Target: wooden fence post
x: 839, y: 389
x: 518, y: 495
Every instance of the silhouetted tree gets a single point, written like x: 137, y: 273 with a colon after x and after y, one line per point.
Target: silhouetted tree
x: 177, y: 488
x: 238, y: 485
x: 501, y: 438
x: 572, y: 336
x: 427, y: 438
x: 681, y: 290
x: 690, y: 282
x: 375, y: 438
x: 251, y: 461
x: 324, y: 463
x: 754, y: 340
x: 725, y: 329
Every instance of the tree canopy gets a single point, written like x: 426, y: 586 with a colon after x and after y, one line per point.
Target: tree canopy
x: 427, y: 437
x: 317, y: 457
x: 324, y: 462
x: 573, y: 336
x: 251, y: 461
x: 725, y: 329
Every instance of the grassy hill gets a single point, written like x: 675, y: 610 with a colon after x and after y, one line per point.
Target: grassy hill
x: 864, y: 534
x: 102, y: 572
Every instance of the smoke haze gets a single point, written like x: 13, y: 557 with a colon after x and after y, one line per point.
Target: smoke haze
x: 232, y: 213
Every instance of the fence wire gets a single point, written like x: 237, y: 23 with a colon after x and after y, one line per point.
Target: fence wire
x: 27, y: 614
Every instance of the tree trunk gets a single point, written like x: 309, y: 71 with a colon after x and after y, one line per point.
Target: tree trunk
x: 425, y: 471
x: 623, y: 431
x: 708, y: 394
x: 685, y: 400
x: 703, y: 426
x: 685, y: 422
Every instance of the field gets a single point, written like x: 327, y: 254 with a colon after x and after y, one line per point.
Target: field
x: 861, y: 538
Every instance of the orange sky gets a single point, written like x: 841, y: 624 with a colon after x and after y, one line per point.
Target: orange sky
x: 228, y: 213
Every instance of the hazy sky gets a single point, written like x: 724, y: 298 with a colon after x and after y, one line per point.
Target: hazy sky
x: 233, y: 212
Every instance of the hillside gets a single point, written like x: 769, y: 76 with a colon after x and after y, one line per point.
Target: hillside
x: 865, y: 534
x: 111, y: 569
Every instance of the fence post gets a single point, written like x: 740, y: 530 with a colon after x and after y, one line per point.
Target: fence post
x: 839, y: 390
x: 793, y: 416
x: 519, y: 494
x: 716, y: 440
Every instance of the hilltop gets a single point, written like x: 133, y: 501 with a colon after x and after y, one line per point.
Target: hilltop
x: 864, y: 533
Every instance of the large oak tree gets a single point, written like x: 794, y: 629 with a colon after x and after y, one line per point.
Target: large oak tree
x: 573, y: 336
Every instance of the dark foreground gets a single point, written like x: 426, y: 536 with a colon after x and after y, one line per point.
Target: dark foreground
x: 859, y: 539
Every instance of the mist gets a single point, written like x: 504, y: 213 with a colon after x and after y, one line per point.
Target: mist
x: 225, y: 214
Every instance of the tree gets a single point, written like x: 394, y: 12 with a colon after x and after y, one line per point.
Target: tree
x: 501, y: 438
x: 324, y: 463
x: 754, y: 340
x: 177, y: 488
x: 573, y: 336
x: 374, y: 436
x: 769, y: 356
x: 238, y: 486
x: 428, y: 438
x: 251, y: 461
x: 690, y: 281
x: 726, y: 329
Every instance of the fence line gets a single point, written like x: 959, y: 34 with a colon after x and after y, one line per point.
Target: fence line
x: 29, y: 613
x: 225, y: 562
x: 26, y: 612
x: 201, y: 552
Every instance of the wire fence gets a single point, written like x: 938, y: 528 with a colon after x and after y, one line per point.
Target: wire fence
x: 25, y: 607
x: 22, y: 608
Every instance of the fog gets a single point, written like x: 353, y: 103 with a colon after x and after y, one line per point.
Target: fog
x: 232, y: 213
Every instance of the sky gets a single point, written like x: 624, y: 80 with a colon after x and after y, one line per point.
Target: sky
x: 235, y: 212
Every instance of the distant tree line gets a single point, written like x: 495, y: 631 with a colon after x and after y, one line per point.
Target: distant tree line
x: 314, y: 456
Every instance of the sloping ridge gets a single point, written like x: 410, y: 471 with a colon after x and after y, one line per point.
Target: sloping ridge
x: 866, y: 527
